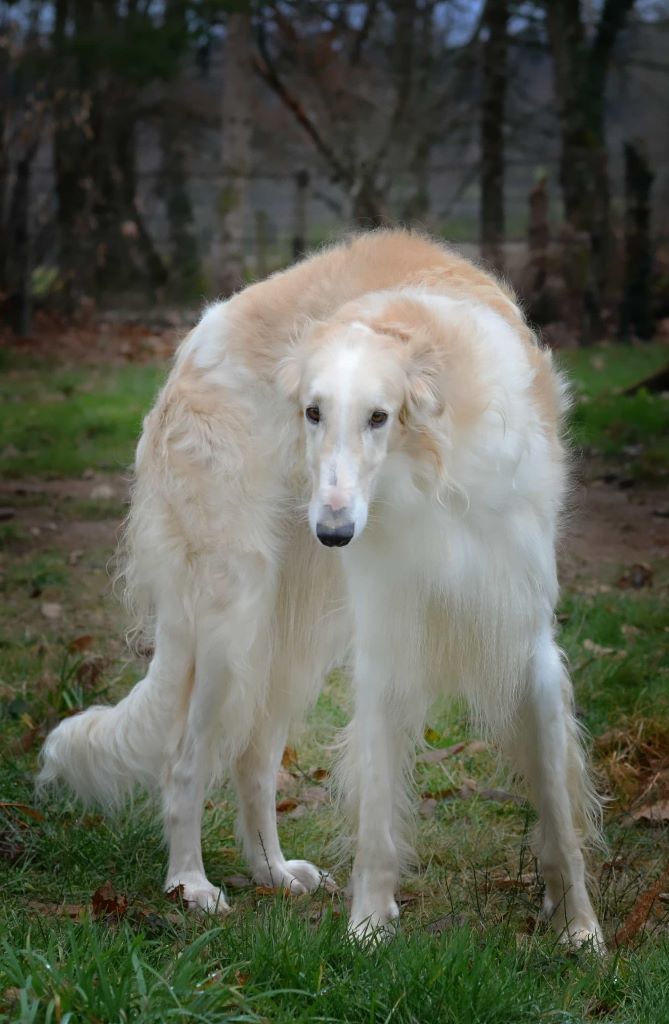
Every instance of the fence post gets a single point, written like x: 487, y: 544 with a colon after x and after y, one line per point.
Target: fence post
x: 300, y: 214
x: 539, y: 233
x: 636, y: 314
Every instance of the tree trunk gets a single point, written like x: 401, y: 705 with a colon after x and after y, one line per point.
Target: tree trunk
x: 17, y: 300
x: 229, y: 246
x: 636, y: 313
x: 184, y: 263
x: 104, y: 244
x: 493, y: 105
x: 580, y: 72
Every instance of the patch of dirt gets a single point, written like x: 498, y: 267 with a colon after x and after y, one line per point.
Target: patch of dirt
x: 40, y: 510
x: 609, y: 527
x: 101, y: 338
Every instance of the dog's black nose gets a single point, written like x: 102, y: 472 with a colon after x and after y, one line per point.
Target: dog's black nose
x: 335, y: 537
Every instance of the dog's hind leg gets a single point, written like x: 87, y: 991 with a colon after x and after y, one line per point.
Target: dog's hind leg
x: 188, y: 772
x: 232, y: 659
x: 549, y: 752
x: 254, y: 774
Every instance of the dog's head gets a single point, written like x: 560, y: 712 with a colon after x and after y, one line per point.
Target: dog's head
x: 362, y: 381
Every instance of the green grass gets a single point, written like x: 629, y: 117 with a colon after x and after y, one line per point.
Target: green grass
x: 273, y: 959
x: 279, y: 967
x: 281, y: 960
x: 605, y: 422
x: 633, y: 680
x: 64, y: 421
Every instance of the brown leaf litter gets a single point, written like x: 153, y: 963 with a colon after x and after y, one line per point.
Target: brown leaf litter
x: 635, y: 759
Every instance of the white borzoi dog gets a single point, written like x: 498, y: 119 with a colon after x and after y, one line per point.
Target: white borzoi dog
x: 394, y: 391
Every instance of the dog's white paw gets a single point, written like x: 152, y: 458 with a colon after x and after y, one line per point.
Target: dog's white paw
x: 369, y: 924
x: 295, y: 876
x: 585, y: 933
x: 582, y: 929
x: 197, y: 893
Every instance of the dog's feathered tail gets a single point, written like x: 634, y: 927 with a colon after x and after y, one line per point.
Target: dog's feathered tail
x: 103, y: 752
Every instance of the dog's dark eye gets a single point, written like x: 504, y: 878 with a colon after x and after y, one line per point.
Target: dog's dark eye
x: 313, y: 413
x: 378, y: 418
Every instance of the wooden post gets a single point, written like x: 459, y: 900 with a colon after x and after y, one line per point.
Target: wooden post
x: 19, y: 276
x: 636, y: 314
x: 300, y: 214
x: 538, y: 233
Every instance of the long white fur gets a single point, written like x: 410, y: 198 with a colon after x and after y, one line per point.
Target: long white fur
x: 449, y: 584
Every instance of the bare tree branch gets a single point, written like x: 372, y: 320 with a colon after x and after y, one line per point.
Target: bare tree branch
x: 361, y: 36
x: 265, y: 67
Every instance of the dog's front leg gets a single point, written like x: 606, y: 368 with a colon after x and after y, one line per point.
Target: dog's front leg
x: 379, y: 754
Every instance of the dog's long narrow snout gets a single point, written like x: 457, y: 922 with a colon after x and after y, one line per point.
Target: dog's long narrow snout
x: 335, y: 527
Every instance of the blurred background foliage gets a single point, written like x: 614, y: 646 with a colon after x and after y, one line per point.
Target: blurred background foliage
x: 153, y: 152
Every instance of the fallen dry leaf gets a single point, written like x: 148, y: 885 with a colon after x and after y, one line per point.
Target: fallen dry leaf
x: 637, y: 576
x: 10, y: 996
x: 51, y: 610
x: 463, y: 792
x: 522, y: 882
x: 75, y: 911
x: 289, y: 803
x: 428, y: 806
x: 650, y: 814
x: 13, y: 806
x: 107, y: 904
x: 440, y: 794
x: 441, y: 753
x: 320, y: 774
x: 102, y: 492
x: 289, y: 758
x: 501, y: 796
x: 81, y: 643
x: 89, y: 671
x: 640, y: 912
x: 603, y: 652
x: 28, y: 740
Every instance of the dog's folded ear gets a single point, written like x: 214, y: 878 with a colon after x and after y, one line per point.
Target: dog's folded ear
x: 425, y: 383
x: 414, y: 327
